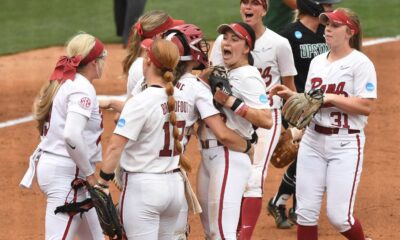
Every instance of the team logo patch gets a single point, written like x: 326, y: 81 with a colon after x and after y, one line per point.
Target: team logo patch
x: 85, y: 103
x: 298, y: 34
x: 370, y: 87
x: 263, y: 98
x: 121, y: 122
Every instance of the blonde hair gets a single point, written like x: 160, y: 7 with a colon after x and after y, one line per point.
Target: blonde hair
x: 167, y: 54
x: 148, y: 22
x: 356, y: 40
x: 80, y: 44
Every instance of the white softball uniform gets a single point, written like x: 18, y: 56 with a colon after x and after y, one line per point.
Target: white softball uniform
x: 223, y: 173
x: 331, y: 152
x: 273, y: 58
x: 135, y: 73
x: 149, y: 211
x: 55, y: 168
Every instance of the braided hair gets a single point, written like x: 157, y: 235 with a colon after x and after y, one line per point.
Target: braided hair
x: 168, y: 56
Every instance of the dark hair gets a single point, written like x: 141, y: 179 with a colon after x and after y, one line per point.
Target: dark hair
x: 250, y: 31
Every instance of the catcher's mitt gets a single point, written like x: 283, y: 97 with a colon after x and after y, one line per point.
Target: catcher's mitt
x: 219, y: 79
x: 300, y: 108
x: 107, y: 213
x: 286, y: 150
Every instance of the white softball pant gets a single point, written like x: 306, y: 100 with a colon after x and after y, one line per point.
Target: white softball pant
x: 267, y: 141
x: 222, y: 179
x: 150, y: 205
x: 331, y: 163
x: 54, y: 175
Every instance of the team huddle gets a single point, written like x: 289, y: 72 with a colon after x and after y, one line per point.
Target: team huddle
x: 234, y: 108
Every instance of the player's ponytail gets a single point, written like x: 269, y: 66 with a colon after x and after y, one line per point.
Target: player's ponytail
x: 167, y: 54
x: 43, y: 103
x: 356, y: 40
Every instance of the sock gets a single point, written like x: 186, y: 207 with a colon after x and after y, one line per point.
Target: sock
x: 251, y: 209
x: 287, y: 187
x: 356, y: 232
x: 307, y: 232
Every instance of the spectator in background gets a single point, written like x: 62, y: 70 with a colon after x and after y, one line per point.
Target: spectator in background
x: 280, y: 13
x: 126, y: 13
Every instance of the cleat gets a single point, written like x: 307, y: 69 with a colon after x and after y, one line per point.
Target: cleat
x: 279, y: 214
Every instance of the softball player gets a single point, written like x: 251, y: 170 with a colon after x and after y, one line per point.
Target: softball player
x: 149, y: 25
x: 224, y: 173
x: 193, y: 55
x: 70, y: 123
x: 153, y: 190
x: 306, y: 37
x: 348, y: 79
x: 274, y: 59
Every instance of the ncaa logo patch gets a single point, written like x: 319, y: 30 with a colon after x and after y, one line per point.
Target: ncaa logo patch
x: 298, y: 34
x: 263, y: 98
x: 121, y: 122
x: 370, y: 87
x: 85, y: 103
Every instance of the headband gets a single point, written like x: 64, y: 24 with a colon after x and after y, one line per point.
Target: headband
x: 169, y: 23
x: 66, y: 66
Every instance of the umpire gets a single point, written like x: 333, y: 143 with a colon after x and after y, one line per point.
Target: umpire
x: 306, y: 37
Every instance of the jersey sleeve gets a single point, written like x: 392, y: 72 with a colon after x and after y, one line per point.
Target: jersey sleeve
x: 254, y: 93
x: 285, y: 59
x: 135, y: 73
x: 365, y: 82
x: 81, y: 102
x: 132, y: 119
x: 216, y: 53
x: 204, y: 101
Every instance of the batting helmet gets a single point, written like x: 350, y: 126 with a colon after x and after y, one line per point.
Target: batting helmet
x: 313, y: 7
x: 190, y: 42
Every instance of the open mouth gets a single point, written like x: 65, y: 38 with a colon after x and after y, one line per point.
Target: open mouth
x: 226, y: 53
x: 248, y: 15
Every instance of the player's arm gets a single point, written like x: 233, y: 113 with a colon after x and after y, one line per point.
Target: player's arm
x: 76, y: 147
x: 225, y: 135
x: 288, y: 81
x: 290, y: 3
x: 258, y: 117
x: 113, y: 153
x: 352, y: 105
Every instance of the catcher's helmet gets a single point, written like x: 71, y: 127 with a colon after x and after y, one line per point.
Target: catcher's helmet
x: 192, y: 46
x: 313, y: 7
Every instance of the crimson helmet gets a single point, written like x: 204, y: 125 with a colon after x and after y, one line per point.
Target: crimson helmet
x: 190, y: 42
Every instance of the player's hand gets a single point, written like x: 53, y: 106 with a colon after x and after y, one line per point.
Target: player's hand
x: 91, y: 180
x: 205, y: 74
x: 282, y: 91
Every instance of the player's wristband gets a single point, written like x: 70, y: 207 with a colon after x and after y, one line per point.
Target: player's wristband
x: 239, y: 107
x: 107, y: 176
x: 248, y: 146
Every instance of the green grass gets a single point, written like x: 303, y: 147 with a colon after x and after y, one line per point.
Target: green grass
x: 29, y: 24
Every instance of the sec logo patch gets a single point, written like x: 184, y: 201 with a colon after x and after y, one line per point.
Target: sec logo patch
x: 370, y: 87
x: 121, y: 122
x: 85, y: 103
x: 263, y: 98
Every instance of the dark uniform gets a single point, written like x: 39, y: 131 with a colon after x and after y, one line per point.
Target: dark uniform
x: 305, y: 46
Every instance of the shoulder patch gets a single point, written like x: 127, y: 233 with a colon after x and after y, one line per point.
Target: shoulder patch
x: 85, y: 103
x: 370, y: 87
x: 298, y: 34
x: 263, y: 98
x: 121, y: 122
